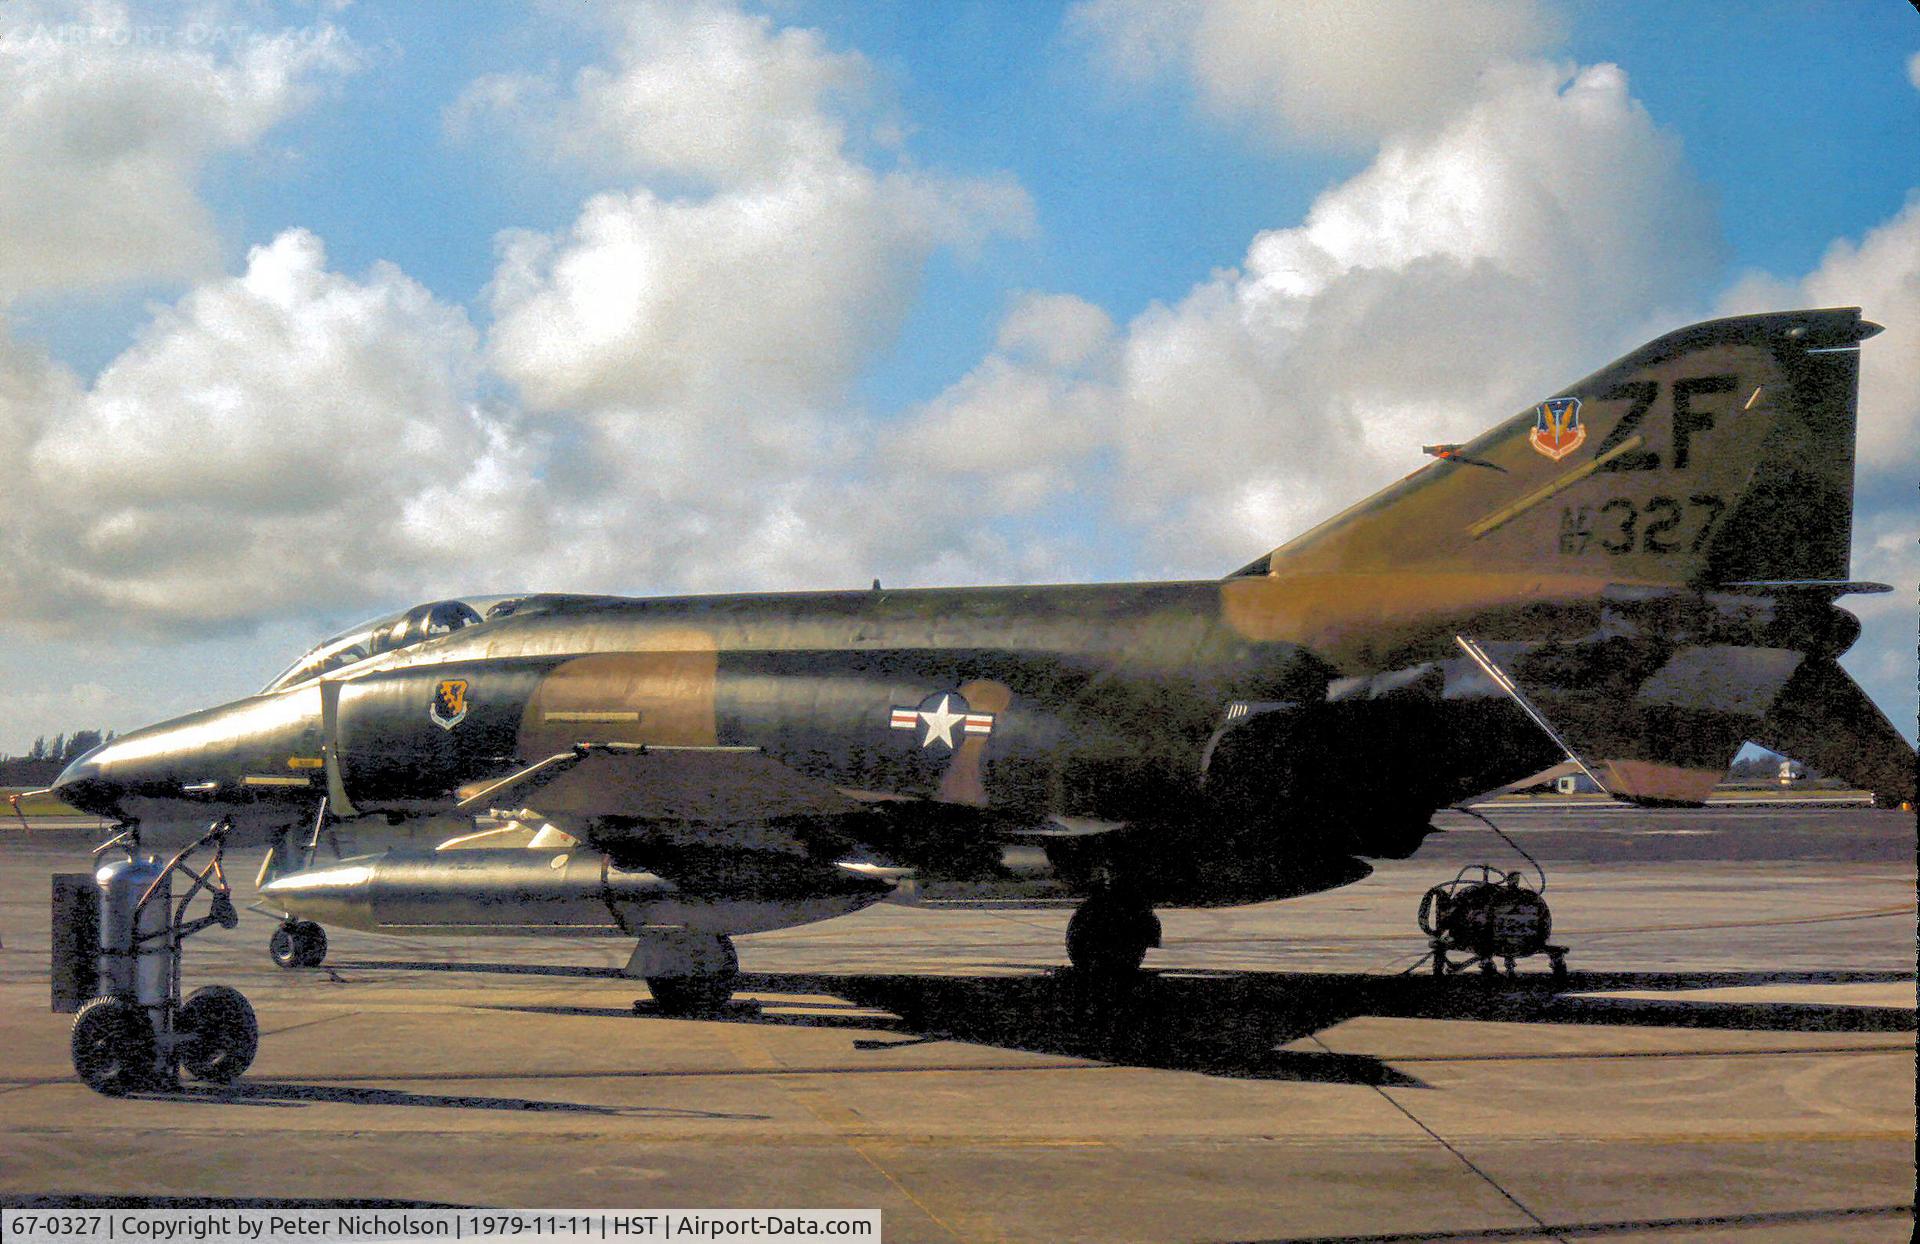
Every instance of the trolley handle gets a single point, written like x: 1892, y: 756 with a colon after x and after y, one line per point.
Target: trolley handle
x: 177, y: 927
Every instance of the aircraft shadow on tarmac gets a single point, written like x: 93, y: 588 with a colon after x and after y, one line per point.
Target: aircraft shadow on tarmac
x: 1231, y: 1023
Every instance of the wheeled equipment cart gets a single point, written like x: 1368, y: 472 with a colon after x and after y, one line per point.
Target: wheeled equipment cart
x: 117, y: 941
x: 1488, y: 916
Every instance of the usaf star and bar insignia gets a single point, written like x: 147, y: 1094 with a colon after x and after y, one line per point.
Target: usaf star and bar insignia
x: 944, y: 714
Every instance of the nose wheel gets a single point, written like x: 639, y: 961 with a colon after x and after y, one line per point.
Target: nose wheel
x: 298, y: 944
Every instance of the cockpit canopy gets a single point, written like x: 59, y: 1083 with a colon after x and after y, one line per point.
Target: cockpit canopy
x: 400, y: 630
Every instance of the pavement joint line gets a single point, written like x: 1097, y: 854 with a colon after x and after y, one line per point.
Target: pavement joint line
x: 1444, y: 1143
x: 308, y: 1023
x: 1638, y: 1226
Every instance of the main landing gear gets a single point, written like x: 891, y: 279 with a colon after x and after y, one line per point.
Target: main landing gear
x: 1110, y: 934
x: 298, y: 944
x: 688, y: 974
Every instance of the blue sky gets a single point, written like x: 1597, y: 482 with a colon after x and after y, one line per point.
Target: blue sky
x: 1038, y: 221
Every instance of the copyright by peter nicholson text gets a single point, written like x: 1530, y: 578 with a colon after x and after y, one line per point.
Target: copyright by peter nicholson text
x: 369, y: 1226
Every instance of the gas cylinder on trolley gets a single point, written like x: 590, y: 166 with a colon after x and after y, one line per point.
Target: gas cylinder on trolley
x: 136, y: 942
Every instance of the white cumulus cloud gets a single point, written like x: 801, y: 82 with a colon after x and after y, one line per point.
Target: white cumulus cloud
x: 774, y: 294
x: 108, y: 116
x: 275, y: 442
x: 1318, y: 71
x: 1016, y: 432
x: 697, y: 88
x: 1445, y: 286
x: 767, y: 285
x: 661, y: 400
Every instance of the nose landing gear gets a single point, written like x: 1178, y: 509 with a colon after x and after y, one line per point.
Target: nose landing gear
x: 298, y: 944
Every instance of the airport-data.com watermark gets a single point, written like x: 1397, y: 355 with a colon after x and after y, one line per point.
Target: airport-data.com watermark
x: 377, y: 1226
x: 209, y: 36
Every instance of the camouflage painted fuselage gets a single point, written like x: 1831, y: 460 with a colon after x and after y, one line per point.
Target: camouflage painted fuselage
x: 1649, y: 560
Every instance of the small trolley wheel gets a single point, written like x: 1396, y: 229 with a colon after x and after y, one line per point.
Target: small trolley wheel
x: 221, y: 1034
x: 113, y: 1046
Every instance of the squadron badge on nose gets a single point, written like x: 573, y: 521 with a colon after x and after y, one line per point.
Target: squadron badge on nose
x: 943, y: 713
x: 449, y: 707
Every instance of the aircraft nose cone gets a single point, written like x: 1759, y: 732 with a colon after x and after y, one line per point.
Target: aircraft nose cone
x: 82, y: 785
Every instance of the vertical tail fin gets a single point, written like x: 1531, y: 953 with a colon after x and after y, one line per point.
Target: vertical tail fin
x: 1652, y: 553
x: 1720, y: 453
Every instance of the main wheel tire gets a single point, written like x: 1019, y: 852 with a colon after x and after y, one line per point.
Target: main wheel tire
x: 113, y: 1046
x: 1109, y: 938
x: 700, y: 993
x: 691, y: 995
x: 222, y: 1034
x: 311, y: 940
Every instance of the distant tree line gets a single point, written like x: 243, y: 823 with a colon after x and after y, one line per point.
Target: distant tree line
x: 64, y: 748
x: 47, y: 757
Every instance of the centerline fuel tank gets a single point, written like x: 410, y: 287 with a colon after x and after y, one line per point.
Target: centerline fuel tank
x: 565, y: 894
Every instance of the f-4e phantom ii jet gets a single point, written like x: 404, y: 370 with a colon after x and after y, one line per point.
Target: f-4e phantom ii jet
x: 1639, y: 572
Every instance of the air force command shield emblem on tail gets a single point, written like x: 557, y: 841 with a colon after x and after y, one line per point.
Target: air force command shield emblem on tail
x: 449, y: 707
x: 1557, y: 430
